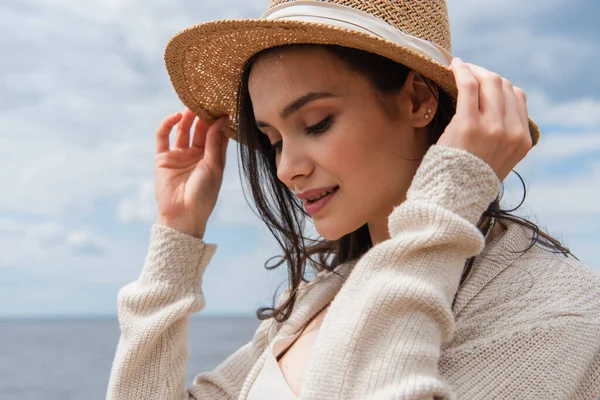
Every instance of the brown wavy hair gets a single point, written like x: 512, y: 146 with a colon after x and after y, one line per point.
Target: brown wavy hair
x: 284, y: 214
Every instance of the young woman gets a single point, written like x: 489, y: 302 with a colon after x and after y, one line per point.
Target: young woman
x: 356, y: 115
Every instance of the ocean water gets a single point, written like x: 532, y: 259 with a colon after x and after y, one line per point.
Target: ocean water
x: 71, y: 359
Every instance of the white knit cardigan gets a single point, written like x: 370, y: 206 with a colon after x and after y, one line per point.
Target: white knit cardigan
x: 524, y: 326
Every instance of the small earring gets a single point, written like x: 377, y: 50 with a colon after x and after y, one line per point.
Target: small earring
x: 429, y: 110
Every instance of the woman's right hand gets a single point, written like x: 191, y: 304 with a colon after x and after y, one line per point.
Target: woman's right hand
x: 188, y: 177
x: 491, y: 119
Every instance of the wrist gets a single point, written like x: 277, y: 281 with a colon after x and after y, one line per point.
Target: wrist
x: 455, y: 180
x: 183, y: 225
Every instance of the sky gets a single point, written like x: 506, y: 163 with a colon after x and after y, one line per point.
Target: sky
x: 83, y: 88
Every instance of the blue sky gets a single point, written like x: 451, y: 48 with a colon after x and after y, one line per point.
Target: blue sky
x: 84, y: 87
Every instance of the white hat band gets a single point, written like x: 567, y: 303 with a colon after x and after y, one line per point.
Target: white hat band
x: 356, y: 20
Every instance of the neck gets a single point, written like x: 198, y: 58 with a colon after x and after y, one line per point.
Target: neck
x: 498, y: 230
x: 378, y: 229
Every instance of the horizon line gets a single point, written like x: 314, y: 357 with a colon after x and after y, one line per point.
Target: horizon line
x: 81, y: 317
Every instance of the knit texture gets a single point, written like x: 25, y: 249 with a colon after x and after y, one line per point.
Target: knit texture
x: 524, y: 326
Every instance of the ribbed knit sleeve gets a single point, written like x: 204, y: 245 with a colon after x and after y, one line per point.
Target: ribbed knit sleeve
x: 384, y: 330
x: 150, y: 362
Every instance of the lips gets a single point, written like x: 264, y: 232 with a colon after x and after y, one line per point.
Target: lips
x: 319, y: 201
x: 319, y: 196
x: 313, y: 194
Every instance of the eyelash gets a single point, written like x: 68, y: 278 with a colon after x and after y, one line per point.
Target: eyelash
x: 320, y: 127
x: 314, y: 130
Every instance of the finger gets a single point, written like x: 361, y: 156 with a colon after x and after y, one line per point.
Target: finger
x: 164, y: 130
x: 491, y: 94
x: 467, y: 102
x: 511, y: 104
x: 224, y: 149
x: 522, y: 103
x: 524, y: 116
x: 199, y: 139
x: 214, y: 139
x: 182, y: 140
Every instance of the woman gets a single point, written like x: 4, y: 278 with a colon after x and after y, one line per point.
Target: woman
x: 356, y: 115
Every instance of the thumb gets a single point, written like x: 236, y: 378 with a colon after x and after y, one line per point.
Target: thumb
x: 214, y: 143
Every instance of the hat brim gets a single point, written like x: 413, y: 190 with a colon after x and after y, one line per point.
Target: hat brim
x: 205, y: 62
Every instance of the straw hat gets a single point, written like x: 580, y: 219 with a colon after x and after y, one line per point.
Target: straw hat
x: 205, y: 61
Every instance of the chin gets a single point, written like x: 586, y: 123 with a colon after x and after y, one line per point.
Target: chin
x: 332, y: 230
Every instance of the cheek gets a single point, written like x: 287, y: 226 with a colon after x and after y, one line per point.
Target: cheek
x: 343, y: 156
x: 375, y: 169
x: 352, y: 146
x: 357, y: 157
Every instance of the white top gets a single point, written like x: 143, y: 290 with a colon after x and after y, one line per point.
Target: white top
x: 270, y: 384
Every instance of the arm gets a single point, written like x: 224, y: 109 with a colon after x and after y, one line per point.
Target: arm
x: 152, y: 353
x: 383, y: 334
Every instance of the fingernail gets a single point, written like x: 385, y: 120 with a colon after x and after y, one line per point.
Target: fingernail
x: 457, y: 59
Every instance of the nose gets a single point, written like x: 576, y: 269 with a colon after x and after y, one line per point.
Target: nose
x: 293, y: 162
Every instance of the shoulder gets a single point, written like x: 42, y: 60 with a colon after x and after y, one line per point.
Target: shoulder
x: 516, y: 282
x: 558, y: 284
x: 539, y: 285
x: 530, y: 316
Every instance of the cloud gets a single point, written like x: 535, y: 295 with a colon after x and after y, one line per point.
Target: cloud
x: 562, y: 178
x: 579, y: 113
x: 534, y: 44
x: 474, y: 13
x: 566, y: 145
x: 85, y: 89
x: 83, y: 243
x: 34, y: 246
x: 556, y: 196
x: 140, y: 205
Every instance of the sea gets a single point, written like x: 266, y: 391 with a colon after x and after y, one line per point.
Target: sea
x: 64, y: 359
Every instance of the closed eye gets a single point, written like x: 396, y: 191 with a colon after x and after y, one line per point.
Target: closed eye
x: 313, y: 130
x: 276, y: 147
x: 321, y: 126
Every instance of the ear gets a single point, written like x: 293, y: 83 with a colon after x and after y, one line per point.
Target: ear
x: 420, y: 96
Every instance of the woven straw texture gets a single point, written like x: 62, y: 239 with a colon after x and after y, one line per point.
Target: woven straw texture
x: 205, y: 61
x: 424, y: 19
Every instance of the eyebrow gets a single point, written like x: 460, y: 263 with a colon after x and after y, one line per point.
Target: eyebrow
x: 297, y: 105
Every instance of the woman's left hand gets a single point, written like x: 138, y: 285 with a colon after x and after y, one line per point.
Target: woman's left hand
x: 491, y: 119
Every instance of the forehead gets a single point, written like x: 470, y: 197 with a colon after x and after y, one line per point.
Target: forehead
x: 285, y: 74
